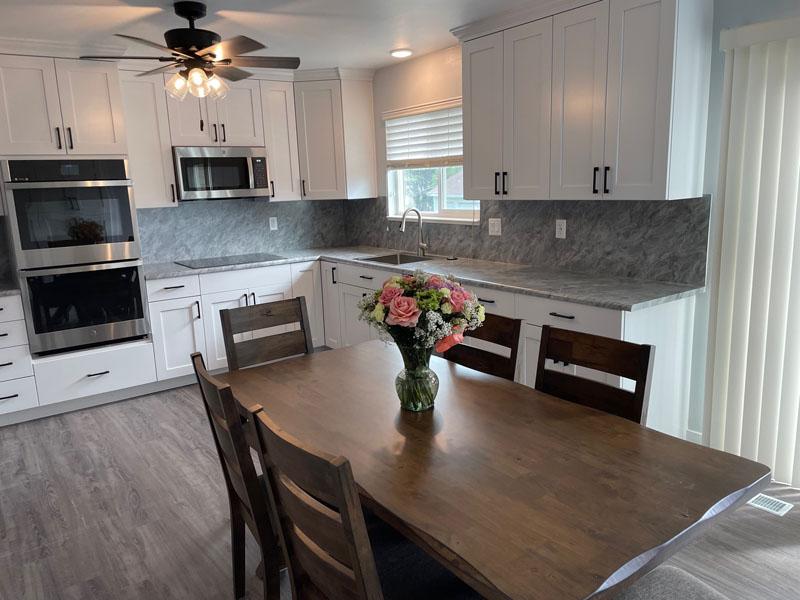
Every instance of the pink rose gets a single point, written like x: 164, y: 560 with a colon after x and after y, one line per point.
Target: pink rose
x: 388, y: 294
x: 403, y: 311
x: 445, y: 344
x: 458, y: 297
x: 434, y: 281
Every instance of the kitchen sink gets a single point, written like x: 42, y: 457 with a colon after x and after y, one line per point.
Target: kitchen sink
x: 398, y: 258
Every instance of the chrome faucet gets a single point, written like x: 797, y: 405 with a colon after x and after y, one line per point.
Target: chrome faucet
x: 421, y: 246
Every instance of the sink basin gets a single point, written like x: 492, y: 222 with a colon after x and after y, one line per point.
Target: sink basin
x: 398, y: 258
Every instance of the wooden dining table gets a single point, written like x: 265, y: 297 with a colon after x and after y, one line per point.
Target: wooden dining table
x: 520, y: 494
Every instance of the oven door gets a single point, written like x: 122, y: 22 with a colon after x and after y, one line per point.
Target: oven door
x: 209, y: 173
x: 69, y: 307
x: 71, y: 222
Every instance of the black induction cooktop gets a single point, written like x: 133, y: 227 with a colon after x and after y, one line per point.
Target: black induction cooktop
x: 224, y: 261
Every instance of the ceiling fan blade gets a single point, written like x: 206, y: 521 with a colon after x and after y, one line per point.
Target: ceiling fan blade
x: 266, y: 62
x: 232, y: 47
x: 161, y: 58
x: 159, y: 69
x: 231, y: 73
x: 153, y: 45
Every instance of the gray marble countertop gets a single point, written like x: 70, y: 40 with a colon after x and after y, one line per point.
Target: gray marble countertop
x: 615, y: 293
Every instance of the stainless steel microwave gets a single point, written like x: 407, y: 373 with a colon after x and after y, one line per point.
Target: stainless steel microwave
x: 214, y: 173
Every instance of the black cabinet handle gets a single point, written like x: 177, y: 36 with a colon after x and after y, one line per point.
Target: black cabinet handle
x: 594, y: 180
x: 6, y: 364
x: 197, y: 304
x: 69, y: 137
x: 98, y: 374
x: 224, y: 135
x: 303, y: 186
x: 9, y: 397
x: 246, y: 299
x: 272, y: 187
x: 485, y: 301
x: 366, y: 277
x: 497, y: 183
x: 174, y: 287
x: 202, y: 125
x: 333, y: 275
x: 505, y: 183
x: 172, y: 189
x: 58, y: 138
x: 216, y: 137
x: 3, y: 335
x: 560, y: 316
x: 254, y: 298
x: 605, y: 180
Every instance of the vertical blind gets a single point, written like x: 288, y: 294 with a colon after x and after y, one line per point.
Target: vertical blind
x: 427, y: 139
x: 754, y: 344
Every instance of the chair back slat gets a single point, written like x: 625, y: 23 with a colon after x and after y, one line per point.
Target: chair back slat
x: 322, y: 526
x: 498, y: 330
x: 607, y: 355
x: 265, y: 346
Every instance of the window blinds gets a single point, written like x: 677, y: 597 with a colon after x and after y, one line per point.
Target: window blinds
x: 429, y: 139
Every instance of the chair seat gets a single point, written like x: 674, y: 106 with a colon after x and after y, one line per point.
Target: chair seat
x: 670, y: 583
x: 406, y: 571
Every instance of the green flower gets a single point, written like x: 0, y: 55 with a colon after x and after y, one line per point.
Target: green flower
x: 447, y: 308
x: 481, y: 313
x: 428, y: 300
x: 378, y: 313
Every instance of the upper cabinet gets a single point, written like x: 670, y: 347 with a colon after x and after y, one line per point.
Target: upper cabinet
x: 233, y: 121
x: 335, y: 139
x: 280, y: 138
x: 606, y: 101
x: 60, y: 106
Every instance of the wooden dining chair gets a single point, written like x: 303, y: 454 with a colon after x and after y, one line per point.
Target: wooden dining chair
x: 498, y: 330
x: 261, y: 348
x: 247, y: 495
x: 330, y: 550
x: 607, y: 355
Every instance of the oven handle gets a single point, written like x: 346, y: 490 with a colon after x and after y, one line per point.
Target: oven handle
x: 55, y: 185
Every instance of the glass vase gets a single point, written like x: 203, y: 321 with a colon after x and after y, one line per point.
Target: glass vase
x: 416, y: 384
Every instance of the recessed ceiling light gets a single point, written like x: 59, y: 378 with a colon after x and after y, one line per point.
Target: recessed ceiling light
x: 401, y: 52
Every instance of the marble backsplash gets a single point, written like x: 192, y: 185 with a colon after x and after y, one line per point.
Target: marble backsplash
x: 660, y: 241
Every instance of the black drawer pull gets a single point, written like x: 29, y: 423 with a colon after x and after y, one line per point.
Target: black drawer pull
x: 485, y: 301
x: 7, y: 364
x: 333, y: 275
x: 366, y: 277
x: 9, y: 397
x: 595, y: 171
x: 3, y: 335
x: 98, y: 374
x: 560, y: 316
x: 174, y: 287
x: 605, y: 180
x: 199, y: 314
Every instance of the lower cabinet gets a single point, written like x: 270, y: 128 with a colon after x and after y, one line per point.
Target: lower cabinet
x: 354, y: 331
x: 214, y: 354
x: 177, y: 329
x: 18, y: 394
x: 331, y: 304
x: 306, y: 282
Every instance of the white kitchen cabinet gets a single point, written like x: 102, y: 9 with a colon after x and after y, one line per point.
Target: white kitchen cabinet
x: 306, y: 282
x: 18, y: 394
x: 354, y: 331
x: 149, y: 145
x: 239, y: 115
x: 91, y: 106
x: 280, y: 138
x: 189, y: 123
x: 30, y: 114
x: 215, y: 343
x: 331, y: 304
x: 177, y: 331
x: 528, y: 357
x: 482, y: 107
x: 580, y: 53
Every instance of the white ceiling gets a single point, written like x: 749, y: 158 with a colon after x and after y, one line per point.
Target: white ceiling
x: 323, y: 33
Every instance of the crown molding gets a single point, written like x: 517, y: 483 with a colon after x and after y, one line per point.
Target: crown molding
x: 28, y: 47
x: 334, y: 73
x: 538, y: 9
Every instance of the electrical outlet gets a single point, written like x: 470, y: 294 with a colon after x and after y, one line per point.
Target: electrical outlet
x: 495, y: 227
x: 561, y: 229
x: 273, y: 223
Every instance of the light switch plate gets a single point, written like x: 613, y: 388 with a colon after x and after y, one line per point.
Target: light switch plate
x: 495, y: 227
x: 561, y: 229
x: 273, y: 223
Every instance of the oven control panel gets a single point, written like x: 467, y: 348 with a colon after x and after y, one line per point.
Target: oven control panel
x: 260, y: 172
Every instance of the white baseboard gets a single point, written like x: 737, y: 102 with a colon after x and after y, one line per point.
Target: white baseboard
x: 694, y: 436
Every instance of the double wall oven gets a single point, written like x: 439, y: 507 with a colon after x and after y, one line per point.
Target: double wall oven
x: 75, y: 240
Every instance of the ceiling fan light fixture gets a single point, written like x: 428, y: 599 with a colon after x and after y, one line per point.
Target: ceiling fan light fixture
x: 401, y: 52
x: 197, y: 82
x: 218, y: 89
x: 177, y: 87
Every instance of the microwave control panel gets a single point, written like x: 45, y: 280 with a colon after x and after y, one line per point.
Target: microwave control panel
x: 260, y: 172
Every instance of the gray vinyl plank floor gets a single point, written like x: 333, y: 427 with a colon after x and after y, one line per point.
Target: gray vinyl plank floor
x: 126, y: 501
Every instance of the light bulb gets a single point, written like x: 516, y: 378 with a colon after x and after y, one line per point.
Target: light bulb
x: 197, y: 76
x: 401, y: 52
x: 218, y: 89
x: 176, y: 86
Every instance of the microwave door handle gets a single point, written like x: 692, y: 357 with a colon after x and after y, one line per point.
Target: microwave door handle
x: 251, y: 178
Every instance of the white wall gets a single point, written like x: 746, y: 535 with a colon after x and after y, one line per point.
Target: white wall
x: 430, y: 78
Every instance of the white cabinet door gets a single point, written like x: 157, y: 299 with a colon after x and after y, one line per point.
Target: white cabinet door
x: 331, y: 305
x: 239, y: 115
x: 482, y: 84
x: 638, y: 99
x: 91, y: 107
x: 149, y: 146
x: 527, y: 84
x: 189, y: 122
x: 280, y: 137
x: 580, y: 54
x: 177, y: 333
x: 306, y: 282
x: 354, y: 331
x: 320, y: 139
x: 30, y: 115
x: 527, y: 365
x: 215, y: 344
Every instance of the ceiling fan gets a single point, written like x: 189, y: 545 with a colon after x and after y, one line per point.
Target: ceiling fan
x: 203, y: 57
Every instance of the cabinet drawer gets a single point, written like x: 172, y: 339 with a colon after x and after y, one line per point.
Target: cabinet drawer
x: 173, y: 287
x: 567, y: 315
x: 11, y: 308
x: 211, y: 283
x: 15, y: 362
x: 495, y: 301
x: 363, y: 277
x: 18, y: 394
x: 95, y: 371
x: 12, y: 333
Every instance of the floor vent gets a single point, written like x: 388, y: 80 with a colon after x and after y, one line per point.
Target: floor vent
x: 771, y: 505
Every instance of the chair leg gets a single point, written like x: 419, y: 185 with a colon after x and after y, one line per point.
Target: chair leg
x: 237, y: 554
x: 271, y: 576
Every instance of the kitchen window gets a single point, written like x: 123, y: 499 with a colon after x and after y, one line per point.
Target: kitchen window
x: 425, y: 164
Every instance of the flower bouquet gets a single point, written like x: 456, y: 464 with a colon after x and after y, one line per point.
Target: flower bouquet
x: 421, y: 312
